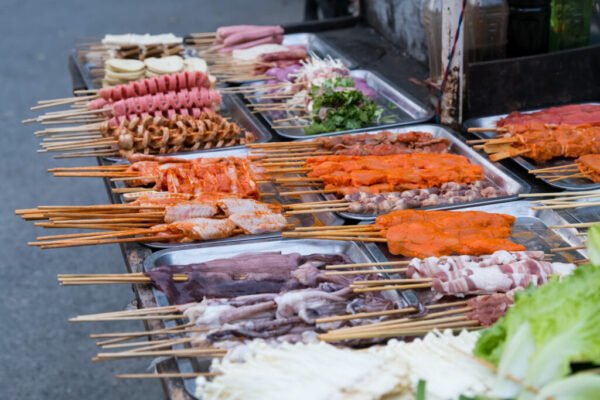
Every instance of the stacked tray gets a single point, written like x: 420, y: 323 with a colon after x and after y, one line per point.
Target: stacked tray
x: 399, y: 107
x: 527, y: 165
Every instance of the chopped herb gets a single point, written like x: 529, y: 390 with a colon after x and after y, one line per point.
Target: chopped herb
x: 337, y: 105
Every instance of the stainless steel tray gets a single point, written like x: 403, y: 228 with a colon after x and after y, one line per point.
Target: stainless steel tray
x: 531, y: 229
x: 355, y: 251
x: 85, y: 68
x: 300, y: 220
x: 496, y: 174
x: 585, y: 214
x: 319, y: 46
x: 399, y: 107
x: 231, y: 107
x: 567, y: 184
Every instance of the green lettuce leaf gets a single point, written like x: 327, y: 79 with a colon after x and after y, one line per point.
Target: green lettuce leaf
x: 547, y: 329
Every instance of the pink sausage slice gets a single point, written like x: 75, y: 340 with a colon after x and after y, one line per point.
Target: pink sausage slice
x: 252, y: 34
x: 247, y: 45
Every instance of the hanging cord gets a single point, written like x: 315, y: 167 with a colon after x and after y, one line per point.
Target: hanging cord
x: 450, y: 58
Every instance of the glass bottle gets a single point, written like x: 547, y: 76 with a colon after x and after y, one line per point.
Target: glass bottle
x: 570, y: 23
x: 431, y: 17
x: 528, y: 27
x: 486, y: 24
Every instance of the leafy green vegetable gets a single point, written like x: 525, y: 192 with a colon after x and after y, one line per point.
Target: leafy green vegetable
x: 337, y: 105
x: 593, y: 246
x: 545, y: 330
x: 582, y: 386
x: 420, y: 395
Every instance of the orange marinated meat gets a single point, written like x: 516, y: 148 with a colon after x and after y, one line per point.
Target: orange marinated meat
x: 435, y: 233
x: 589, y: 165
x: 542, y: 142
x: 397, y: 172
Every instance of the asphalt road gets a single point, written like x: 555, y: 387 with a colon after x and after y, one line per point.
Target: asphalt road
x: 42, y: 356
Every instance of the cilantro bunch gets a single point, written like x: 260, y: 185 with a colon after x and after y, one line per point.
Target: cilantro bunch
x: 338, y: 105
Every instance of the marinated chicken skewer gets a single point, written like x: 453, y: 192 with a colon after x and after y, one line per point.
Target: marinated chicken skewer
x: 234, y: 175
x: 586, y: 166
x: 377, y: 174
x: 239, y: 216
x: 542, y: 142
x: 429, y: 233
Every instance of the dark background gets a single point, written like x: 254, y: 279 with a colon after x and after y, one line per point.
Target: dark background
x: 42, y: 356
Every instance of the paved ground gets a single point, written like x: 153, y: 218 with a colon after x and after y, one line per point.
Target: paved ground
x: 41, y: 355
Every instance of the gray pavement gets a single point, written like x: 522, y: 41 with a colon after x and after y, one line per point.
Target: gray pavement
x: 42, y: 356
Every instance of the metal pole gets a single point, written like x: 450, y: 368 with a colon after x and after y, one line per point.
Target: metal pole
x: 451, y: 107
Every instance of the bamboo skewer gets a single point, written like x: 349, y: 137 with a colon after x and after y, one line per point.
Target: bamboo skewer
x: 166, y: 375
x: 366, y: 271
x: 162, y: 353
x: 386, y: 312
x: 368, y: 264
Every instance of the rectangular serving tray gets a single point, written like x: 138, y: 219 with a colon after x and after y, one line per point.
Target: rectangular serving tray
x: 300, y: 220
x: 566, y: 184
x: 494, y: 173
x: 209, y: 251
x: 399, y: 107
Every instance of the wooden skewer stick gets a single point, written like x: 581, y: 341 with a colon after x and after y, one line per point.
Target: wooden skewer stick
x: 393, y: 287
x: 414, y: 331
x: 575, y: 225
x: 140, y: 343
x: 581, y: 204
x: 570, y: 248
x: 300, y: 192
x: 325, y: 203
x: 141, y: 333
x: 486, y: 129
x: 366, y: 271
x: 560, y: 194
x: 386, y: 312
x: 383, y: 282
x: 167, y: 375
x: 368, y: 264
x: 162, y: 353
x: 558, y: 167
x: 318, y: 210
